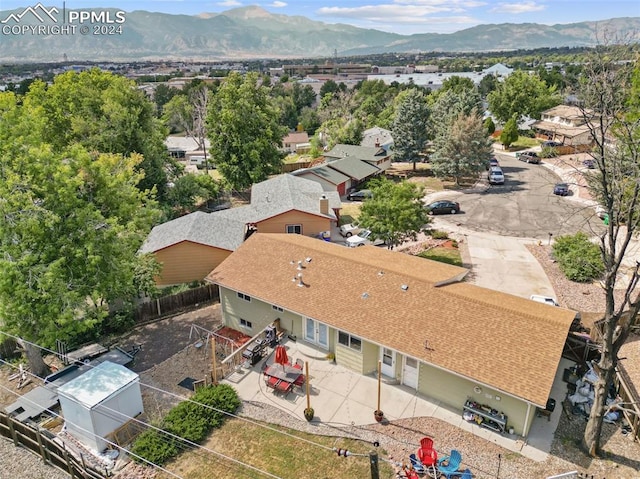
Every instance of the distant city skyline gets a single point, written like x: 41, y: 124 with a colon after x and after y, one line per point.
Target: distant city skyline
x: 398, y: 16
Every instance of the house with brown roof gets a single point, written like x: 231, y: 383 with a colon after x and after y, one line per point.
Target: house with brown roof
x: 447, y: 339
x: 190, y: 247
x: 565, y: 124
x: 296, y: 140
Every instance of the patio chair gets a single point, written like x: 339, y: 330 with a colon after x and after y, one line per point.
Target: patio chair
x: 272, y: 382
x: 284, y: 387
x: 426, y: 443
x: 429, y: 459
x: 417, y: 464
x: 450, y: 464
x: 300, y: 381
x: 466, y: 474
x: 299, y: 364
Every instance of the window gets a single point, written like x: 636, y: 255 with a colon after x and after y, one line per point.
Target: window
x: 245, y: 324
x: 294, y: 229
x: 349, y: 341
x: 244, y: 296
x: 277, y: 308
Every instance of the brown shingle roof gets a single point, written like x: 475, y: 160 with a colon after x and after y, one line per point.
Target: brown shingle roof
x: 500, y: 340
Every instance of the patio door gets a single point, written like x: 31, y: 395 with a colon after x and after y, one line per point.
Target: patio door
x: 388, y: 358
x: 410, y: 372
x: 316, y: 333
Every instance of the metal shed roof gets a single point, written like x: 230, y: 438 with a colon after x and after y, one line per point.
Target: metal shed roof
x: 96, y: 385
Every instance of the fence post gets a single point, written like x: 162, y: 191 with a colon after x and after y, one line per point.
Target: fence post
x: 65, y: 454
x: 158, y: 306
x: 42, y: 450
x: 13, y: 431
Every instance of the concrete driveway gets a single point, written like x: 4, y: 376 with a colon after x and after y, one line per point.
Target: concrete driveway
x: 500, y: 262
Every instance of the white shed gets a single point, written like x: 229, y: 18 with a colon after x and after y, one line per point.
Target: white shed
x: 99, y: 401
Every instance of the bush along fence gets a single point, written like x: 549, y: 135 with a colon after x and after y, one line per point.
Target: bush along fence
x: 189, y: 423
x: 53, y: 453
x: 158, y: 308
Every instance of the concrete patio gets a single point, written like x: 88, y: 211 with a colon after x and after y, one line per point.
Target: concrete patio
x: 342, y: 397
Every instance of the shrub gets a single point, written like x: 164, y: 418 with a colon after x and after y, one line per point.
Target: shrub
x: 579, y: 259
x: 154, y: 446
x: 191, y: 420
x: 548, y: 152
x: 437, y: 234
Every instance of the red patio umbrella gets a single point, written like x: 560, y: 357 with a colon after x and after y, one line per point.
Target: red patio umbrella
x: 281, y: 355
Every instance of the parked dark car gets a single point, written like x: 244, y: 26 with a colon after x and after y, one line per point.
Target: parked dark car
x: 443, y: 207
x: 359, y: 195
x: 551, y: 144
x: 561, y: 189
x: 493, y: 162
x: 591, y: 164
x: 529, y: 157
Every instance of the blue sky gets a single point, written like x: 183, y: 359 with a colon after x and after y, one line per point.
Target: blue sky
x: 399, y: 16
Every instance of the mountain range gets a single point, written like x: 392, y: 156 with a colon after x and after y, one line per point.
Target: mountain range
x: 253, y: 33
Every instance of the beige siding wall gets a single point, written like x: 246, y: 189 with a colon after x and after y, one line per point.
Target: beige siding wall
x: 349, y: 358
x: 259, y: 313
x: 311, y: 225
x: 186, y: 261
x: 453, y: 391
x: 371, y: 356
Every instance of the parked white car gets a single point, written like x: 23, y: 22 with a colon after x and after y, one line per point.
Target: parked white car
x: 544, y: 299
x: 361, y: 239
x: 349, y: 229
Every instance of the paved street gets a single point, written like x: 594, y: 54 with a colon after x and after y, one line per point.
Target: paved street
x: 524, y: 206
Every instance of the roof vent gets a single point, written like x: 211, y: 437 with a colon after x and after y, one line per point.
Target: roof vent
x: 404, y: 287
x: 308, y: 260
x: 365, y: 295
x: 381, y: 273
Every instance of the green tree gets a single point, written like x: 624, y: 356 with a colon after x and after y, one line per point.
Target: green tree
x: 489, y: 125
x: 578, y: 258
x: 162, y: 94
x: 328, y: 86
x: 448, y: 105
x: 522, y: 94
x: 487, y: 85
x: 509, y: 133
x: 464, y: 151
x: 189, y: 190
x: 71, y: 224
x: 244, y: 131
x: 409, y: 130
x: 310, y: 120
x: 395, y: 213
x: 106, y: 113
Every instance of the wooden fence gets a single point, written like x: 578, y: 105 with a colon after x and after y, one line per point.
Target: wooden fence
x: 167, y: 305
x: 54, y: 453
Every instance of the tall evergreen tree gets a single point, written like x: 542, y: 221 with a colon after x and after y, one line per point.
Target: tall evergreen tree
x: 410, y: 127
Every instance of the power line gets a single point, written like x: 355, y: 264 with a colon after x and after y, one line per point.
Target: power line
x: 121, y: 415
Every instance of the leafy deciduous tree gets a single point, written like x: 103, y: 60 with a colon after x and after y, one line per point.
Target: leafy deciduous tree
x: 395, y: 213
x: 244, y: 131
x: 509, y: 132
x: 522, y: 94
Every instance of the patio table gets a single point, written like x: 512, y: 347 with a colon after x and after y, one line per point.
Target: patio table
x: 287, y: 373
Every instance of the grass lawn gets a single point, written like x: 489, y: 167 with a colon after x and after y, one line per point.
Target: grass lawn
x: 444, y: 255
x: 524, y: 142
x: 276, y: 453
x: 349, y: 213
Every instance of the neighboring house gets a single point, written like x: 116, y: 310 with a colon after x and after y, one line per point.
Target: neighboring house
x: 564, y: 124
x: 329, y: 179
x: 378, y: 138
x: 373, y: 155
x: 184, y: 147
x: 498, y: 70
x: 192, y: 246
x: 294, y: 141
x: 445, y: 339
x: 189, y: 247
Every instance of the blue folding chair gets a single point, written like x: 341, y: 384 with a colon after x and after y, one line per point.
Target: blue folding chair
x: 417, y: 464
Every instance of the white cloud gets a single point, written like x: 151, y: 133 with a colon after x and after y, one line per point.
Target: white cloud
x: 524, y: 7
x: 229, y: 3
x: 277, y: 4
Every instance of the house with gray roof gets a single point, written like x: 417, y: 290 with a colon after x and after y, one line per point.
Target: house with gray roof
x: 329, y: 179
x: 190, y: 247
x: 373, y: 155
x: 377, y: 137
